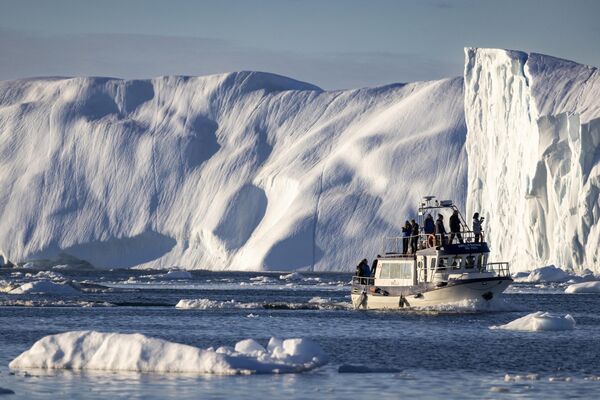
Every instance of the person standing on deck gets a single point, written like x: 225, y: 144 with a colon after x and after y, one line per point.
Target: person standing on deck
x: 406, y: 230
x: 455, y: 227
x: 414, y: 239
x: 440, y: 231
x: 429, y: 225
x: 477, y: 226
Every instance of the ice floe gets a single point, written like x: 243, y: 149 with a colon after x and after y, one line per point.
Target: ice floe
x: 176, y: 274
x: 546, y: 274
x: 46, y: 287
x: 294, y: 276
x: 540, y: 321
x: 584, y: 287
x: 206, y: 304
x: 90, y: 350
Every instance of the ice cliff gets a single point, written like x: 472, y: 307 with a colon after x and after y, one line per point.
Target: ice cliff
x: 235, y: 171
x: 533, y: 147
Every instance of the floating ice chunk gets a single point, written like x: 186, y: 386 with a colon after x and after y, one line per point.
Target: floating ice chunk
x: 45, y: 286
x: 176, y: 274
x: 540, y: 321
x: 51, y: 275
x: 584, y: 287
x: 89, y: 350
x: 548, y: 274
x: 517, y: 378
x: 206, y: 304
x: 250, y: 347
x: 294, y: 276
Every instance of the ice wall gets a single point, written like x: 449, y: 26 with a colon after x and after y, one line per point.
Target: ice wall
x: 533, y: 147
x: 235, y: 171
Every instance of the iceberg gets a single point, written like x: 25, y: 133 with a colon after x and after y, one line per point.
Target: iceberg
x: 584, y: 287
x: 255, y: 171
x: 239, y: 171
x: 533, y: 156
x: 45, y: 286
x: 176, y: 274
x: 90, y: 350
x: 540, y: 321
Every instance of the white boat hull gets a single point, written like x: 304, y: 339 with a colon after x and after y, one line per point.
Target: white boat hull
x: 451, y: 293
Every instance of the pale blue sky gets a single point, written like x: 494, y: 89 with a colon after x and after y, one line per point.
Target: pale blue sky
x: 334, y: 44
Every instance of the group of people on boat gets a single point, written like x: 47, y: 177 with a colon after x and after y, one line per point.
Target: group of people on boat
x: 363, y: 269
x: 436, y: 231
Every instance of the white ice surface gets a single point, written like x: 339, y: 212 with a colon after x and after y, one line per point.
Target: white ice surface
x: 90, y: 350
x: 238, y: 171
x: 46, y: 287
x: 546, y: 274
x: 584, y: 287
x: 176, y: 274
x: 540, y: 321
x: 206, y: 304
x: 533, y: 148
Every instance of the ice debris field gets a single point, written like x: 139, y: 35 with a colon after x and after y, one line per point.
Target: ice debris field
x: 254, y: 171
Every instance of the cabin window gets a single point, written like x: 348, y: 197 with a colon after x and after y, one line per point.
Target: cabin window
x: 396, y: 271
x: 480, y: 261
x: 385, y: 271
x: 442, y: 263
x: 456, y: 262
x: 432, y: 263
x: 470, y: 261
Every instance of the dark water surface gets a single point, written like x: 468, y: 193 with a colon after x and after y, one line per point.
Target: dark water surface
x: 450, y: 353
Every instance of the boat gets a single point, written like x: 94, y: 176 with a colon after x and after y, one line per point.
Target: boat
x: 443, y: 269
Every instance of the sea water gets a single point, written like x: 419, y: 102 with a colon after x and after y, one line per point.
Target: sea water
x: 448, y: 352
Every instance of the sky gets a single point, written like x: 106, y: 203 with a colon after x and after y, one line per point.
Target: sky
x: 331, y: 43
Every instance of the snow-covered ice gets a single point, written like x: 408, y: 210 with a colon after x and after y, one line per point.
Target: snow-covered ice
x: 546, y: 274
x: 584, y: 287
x: 540, y: 321
x: 90, y: 350
x: 250, y: 171
x: 206, y: 304
x: 533, y: 153
x: 46, y: 287
x: 241, y: 171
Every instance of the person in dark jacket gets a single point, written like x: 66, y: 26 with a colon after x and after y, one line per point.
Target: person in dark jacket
x: 477, y: 226
x: 406, y: 230
x: 455, y: 227
x: 429, y: 225
x: 414, y: 239
x: 440, y: 231
x: 374, y: 266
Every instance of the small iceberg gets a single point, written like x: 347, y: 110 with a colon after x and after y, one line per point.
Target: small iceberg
x: 45, y: 286
x: 584, y: 287
x: 294, y: 276
x: 176, y: 274
x: 207, y: 304
x: 546, y: 274
x: 90, y: 350
x: 540, y: 321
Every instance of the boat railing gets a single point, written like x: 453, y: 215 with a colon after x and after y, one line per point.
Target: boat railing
x: 499, y: 268
x: 396, y: 244
x: 363, y: 280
